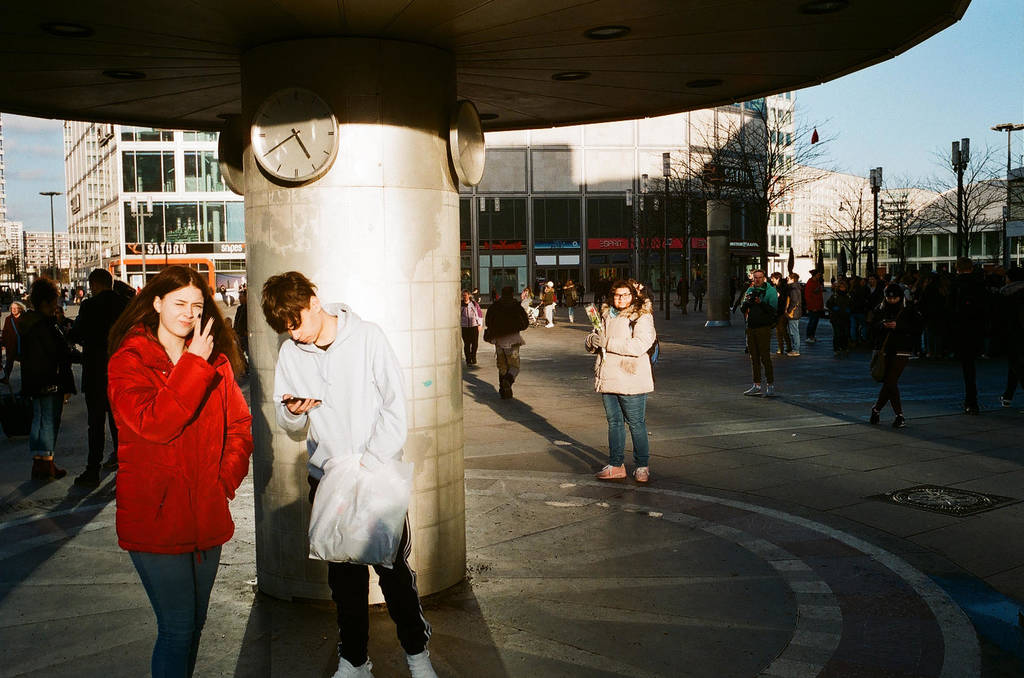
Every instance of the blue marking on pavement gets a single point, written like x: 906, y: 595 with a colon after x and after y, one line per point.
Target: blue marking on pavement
x: 996, y: 617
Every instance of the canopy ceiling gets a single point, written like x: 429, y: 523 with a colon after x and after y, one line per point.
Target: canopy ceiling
x: 677, y: 54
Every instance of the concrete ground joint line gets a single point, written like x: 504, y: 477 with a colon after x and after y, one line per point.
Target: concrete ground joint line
x: 961, y: 649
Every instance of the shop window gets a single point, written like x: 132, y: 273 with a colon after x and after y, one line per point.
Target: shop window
x: 213, y: 222
x: 926, y: 245
x: 152, y: 226
x: 942, y: 245
x: 236, y: 221
x: 609, y: 218
x: 202, y: 172
x: 503, y: 219
x: 199, y: 136
x: 146, y: 134
x: 465, y: 219
x: 556, y: 219
x: 148, y: 171
x: 182, y: 221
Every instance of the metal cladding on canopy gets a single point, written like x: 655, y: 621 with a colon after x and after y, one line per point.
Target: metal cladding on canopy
x: 171, y: 64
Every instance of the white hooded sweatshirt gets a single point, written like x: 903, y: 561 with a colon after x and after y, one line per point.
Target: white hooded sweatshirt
x: 359, y: 383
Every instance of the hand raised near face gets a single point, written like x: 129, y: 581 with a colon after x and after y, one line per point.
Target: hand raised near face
x: 202, y: 339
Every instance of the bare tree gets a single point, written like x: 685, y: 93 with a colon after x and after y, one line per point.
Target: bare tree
x: 758, y: 159
x: 850, y: 223
x: 902, y: 217
x: 980, y: 194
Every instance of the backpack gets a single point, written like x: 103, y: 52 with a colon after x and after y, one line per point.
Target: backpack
x: 654, y: 352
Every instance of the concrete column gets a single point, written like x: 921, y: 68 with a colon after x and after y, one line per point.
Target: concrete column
x: 718, y: 301
x: 380, y: 232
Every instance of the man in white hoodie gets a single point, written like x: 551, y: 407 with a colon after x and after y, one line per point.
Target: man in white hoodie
x: 339, y: 377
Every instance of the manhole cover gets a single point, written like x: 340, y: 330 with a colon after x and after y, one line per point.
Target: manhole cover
x: 948, y: 500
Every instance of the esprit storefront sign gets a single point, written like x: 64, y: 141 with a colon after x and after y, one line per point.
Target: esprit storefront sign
x: 627, y: 243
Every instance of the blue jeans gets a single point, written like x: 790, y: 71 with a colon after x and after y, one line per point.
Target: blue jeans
x: 46, y: 411
x: 178, y: 586
x: 858, y: 327
x: 793, y: 328
x: 621, y: 410
x: 812, y: 322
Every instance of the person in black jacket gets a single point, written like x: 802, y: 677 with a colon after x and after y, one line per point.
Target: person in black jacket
x: 504, y: 321
x: 839, y: 306
x: 969, y: 298
x: 96, y: 316
x: 45, y: 376
x: 897, y: 330
x: 760, y: 305
x: 1011, y: 313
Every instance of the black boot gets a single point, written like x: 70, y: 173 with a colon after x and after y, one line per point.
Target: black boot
x: 874, y: 416
x: 899, y: 422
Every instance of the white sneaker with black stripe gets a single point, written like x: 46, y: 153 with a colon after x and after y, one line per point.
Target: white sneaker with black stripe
x: 420, y: 666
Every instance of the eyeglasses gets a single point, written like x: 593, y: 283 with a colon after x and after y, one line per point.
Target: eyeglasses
x: 624, y: 296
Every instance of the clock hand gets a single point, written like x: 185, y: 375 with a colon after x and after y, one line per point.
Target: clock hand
x: 271, y: 150
x: 295, y: 133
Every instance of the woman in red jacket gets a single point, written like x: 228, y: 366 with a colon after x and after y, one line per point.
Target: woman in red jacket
x: 184, y: 446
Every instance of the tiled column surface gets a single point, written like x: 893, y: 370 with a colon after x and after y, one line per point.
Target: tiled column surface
x: 718, y: 263
x: 379, y: 232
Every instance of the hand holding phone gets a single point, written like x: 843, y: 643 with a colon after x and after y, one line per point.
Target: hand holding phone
x: 298, y: 404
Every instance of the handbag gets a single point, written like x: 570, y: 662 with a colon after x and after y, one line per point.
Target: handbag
x: 487, y: 335
x: 15, y: 414
x: 878, y: 362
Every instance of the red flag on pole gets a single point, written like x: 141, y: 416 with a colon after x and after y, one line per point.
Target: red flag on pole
x: 814, y: 136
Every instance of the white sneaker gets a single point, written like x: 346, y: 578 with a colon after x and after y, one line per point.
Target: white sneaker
x: 753, y: 390
x: 549, y: 325
x: 769, y: 391
x: 420, y: 666
x: 346, y: 670
x: 793, y: 354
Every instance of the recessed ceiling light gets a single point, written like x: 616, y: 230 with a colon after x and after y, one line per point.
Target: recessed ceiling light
x: 823, y: 6
x: 488, y: 116
x: 63, y: 29
x: 121, y: 74
x: 566, y: 76
x: 706, y: 82
x: 606, y: 32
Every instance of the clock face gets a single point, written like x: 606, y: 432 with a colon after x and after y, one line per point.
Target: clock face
x: 294, y: 135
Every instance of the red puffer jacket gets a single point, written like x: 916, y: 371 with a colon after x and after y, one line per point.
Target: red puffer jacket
x: 184, y: 442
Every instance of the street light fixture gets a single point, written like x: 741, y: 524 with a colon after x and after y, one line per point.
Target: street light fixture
x: 1009, y: 128
x: 53, y: 237
x: 876, y: 186
x: 666, y: 172
x: 141, y: 211
x: 960, y: 156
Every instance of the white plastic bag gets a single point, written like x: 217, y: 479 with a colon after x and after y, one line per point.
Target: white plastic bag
x: 358, y: 515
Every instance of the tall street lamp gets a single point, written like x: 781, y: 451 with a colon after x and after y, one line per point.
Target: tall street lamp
x: 959, y: 158
x: 876, y: 185
x: 666, y: 171
x: 1009, y: 128
x: 141, y: 211
x: 53, y: 237
x: 644, y: 187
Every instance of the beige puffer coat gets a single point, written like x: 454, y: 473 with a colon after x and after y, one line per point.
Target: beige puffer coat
x: 624, y: 366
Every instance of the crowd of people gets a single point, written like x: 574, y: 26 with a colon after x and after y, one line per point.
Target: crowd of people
x: 963, y: 316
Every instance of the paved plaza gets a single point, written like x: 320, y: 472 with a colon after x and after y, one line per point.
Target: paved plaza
x: 763, y: 546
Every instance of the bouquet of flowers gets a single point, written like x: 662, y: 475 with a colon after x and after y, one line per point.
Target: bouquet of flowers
x: 595, y: 317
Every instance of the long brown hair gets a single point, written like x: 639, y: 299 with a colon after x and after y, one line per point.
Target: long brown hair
x: 141, y: 312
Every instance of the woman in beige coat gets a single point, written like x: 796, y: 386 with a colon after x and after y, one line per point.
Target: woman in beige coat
x: 623, y: 377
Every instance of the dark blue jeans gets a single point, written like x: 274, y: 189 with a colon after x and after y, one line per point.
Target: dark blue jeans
x: 46, y: 412
x: 812, y: 322
x: 622, y: 410
x: 178, y: 586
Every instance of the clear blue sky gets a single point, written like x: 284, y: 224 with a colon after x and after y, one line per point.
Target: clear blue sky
x: 896, y: 114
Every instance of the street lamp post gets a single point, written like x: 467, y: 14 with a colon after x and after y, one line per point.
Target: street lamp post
x: 666, y: 171
x: 635, y: 231
x: 53, y: 237
x: 876, y: 186
x: 1009, y: 128
x: 960, y: 156
x: 142, y: 211
x: 644, y: 186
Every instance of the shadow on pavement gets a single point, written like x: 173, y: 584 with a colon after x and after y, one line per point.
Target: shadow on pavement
x: 519, y: 412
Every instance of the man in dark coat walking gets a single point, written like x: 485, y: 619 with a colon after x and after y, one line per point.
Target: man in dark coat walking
x: 96, y: 316
x: 970, y: 303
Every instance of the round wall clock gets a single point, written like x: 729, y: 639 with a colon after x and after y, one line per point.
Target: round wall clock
x: 294, y: 135
x: 466, y: 143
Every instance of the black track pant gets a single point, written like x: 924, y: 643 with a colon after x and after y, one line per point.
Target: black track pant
x: 890, y: 392
x: 99, y: 415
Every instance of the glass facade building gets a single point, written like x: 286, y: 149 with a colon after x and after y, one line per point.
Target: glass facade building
x: 140, y: 199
